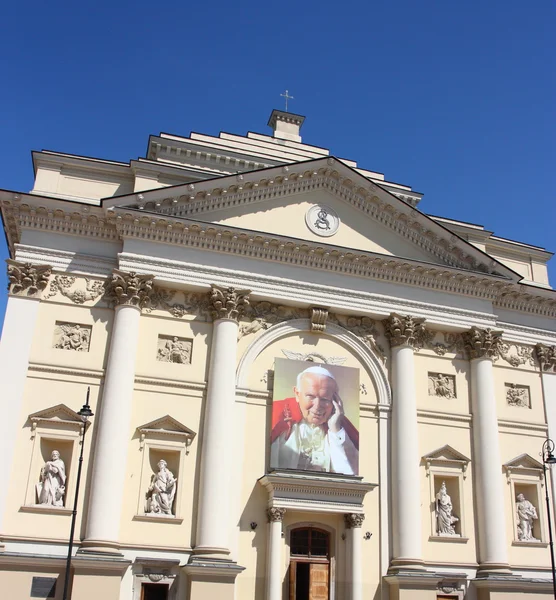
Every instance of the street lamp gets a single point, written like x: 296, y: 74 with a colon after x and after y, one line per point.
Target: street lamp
x: 548, y: 458
x: 84, y: 413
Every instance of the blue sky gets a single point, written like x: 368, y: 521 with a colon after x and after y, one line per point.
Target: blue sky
x: 453, y: 98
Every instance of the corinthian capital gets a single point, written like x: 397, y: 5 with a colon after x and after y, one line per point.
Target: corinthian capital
x: 546, y: 356
x: 482, y: 343
x: 275, y: 514
x: 26, y: 279
x: 353, y: 520
x: 129, y: 288
x: 228, y: 302
x: 404, y: 330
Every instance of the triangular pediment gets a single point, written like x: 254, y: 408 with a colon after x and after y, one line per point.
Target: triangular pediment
x: 446, y: 454
x: 523, y: 462
x: 278, y: 202
x: 58, y: 413
x: 166, y: 425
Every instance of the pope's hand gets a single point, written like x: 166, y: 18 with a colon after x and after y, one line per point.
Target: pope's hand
x: 335, y: 423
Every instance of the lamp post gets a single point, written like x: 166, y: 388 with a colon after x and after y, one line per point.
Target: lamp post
x: 548, y: 458
x: 84, y: 413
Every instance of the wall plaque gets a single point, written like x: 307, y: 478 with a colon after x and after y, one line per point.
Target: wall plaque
x: 43, y: 587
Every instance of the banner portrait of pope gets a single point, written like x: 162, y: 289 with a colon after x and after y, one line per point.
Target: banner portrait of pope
x: 316, y: 428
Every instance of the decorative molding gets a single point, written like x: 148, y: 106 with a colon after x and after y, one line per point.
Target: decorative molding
x: 311, y: 356
x: 446, y: 456
x: 364, y: 328
x: 263, y: 315
x: 442, y: 385
x: 353, y: 520
x: 482, y: 343
x: 227, y: 302
x: 57, y: 416
x: 275, y: 514
x: 451, y: 343
x: 72, y: 336
x: 524, y: 464
x: 518, y: 395
x: 194, y: 304
x: 64, y: 285
x: 516, y: 354
x: 130, y: 289
x: 27, y: 279
x: 318, y: 319
x: 405, y: 331
x: 546, y: 355
x: 166, y: 426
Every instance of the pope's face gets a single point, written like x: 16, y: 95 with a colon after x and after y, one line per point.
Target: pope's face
x: 315, y: 397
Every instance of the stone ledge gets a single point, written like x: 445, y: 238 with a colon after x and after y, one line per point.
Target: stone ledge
x: 46, y: 509
x: 449, y: 538
x: 160, y: 519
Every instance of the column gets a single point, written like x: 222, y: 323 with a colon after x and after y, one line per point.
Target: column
x: 404, y: 333
x: 130, y: 292
x: 482, y: 345
x: 274, y: 571
x: 26, y: 283
x: 227, y: 305
x: 354, y: 541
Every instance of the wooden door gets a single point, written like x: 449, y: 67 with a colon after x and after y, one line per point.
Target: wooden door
x: 318, y: 581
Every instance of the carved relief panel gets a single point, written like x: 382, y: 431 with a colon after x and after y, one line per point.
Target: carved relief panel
x: 72, y: 336
x: 442, y: 385
x: 174, y: 349
x: 518, y: 395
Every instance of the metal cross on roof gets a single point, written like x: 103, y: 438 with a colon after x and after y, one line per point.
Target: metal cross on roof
x: 287, y: 97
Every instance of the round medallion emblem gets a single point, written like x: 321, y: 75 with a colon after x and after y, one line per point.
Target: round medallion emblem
x: 322, y: 220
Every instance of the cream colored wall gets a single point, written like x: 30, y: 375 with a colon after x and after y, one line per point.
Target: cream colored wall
x: 254, y: 498
x: 18, y: 579
x: 523, y: 375
x: 286, y: 216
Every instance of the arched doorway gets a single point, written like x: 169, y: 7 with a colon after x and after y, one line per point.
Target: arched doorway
x: 309, y: 564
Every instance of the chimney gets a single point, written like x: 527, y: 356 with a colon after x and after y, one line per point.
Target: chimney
x: 286, y: 125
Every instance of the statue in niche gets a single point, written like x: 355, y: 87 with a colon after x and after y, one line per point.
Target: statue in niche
x: 526, y: 514
x: 445, y: 520
x: 517, y: 396
x: 73, y: 337
x: 175, y: 351
x: 161, y: 492
x: 52, y: 486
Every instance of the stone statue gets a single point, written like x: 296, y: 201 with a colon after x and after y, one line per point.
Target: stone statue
x: 445, y: 520
x: 526, y: 514
x: 73, y: 337
x: 175, y: 351
x: 161, y: 492
x: 52, y: 486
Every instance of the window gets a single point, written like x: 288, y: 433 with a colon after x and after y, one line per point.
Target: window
x: 309, y: 542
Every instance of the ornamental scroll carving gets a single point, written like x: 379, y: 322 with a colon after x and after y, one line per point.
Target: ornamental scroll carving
x: 482, y: 343
x: 546, y: 355
x: 516, y: 354
x: 131, y: 289
x: 364, y: 328
x: 275, y: 514
x: 319, y: 317
x: 193, y: 303
x: 263, y: 315
x: 405, y: 331
x: 227, y: 302
x: 353, y: 520
x: 65, y: 285
x: 27, y: 279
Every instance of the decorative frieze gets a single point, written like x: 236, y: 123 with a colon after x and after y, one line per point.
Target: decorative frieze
x: 442, y: 385
x: 71, y: 287
x: 174, y: 349
x: 516, y: 354
x: 405, y: 330
x: 518, y: 395
x: 451, y: 342
x: 353, y: 520
x: 364, y: 328
x: 194, y: 304
x: 318, y: 319
x: 27, y: 279
x: 546, y: 355
x: 314, y: 357
x: 482, y: 343
x: 275, y: 514
x: 132, y: 289
x: 227, y: 302
x: 72, y: 336
x: 263, y: 315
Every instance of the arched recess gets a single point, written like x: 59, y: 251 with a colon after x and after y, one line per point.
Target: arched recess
x: 369, y: 359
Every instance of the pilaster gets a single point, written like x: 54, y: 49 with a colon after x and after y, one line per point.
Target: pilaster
x: 353, y: 522
x: 274, y: 579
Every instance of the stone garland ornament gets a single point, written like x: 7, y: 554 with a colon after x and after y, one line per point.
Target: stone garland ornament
x: 63, y: 284
x: 546, y: 355
x: 275, y: 514
x: 353, y: 520
x: 263, y: 315
x: 452, y: 342
x: 405, y: 331
x: 27, y: 279
x: 227, y: 302
x: 364, y: 328
x: 193, y: 304
x: 482, y: 343
x: 516, y: 354
x: 72, y: 336
x: 314, y: 357
x: 131, y: 289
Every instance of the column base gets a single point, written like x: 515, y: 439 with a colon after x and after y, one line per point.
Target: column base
x: 487, y: 569
x: 212, y: 552
x: 211, y: 578
x: 102, y: 547
x: 406, y: 564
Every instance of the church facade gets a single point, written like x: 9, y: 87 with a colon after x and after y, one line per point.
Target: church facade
x: 303, y: 386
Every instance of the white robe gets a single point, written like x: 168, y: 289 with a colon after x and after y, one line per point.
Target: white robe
x: 336, y: 453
